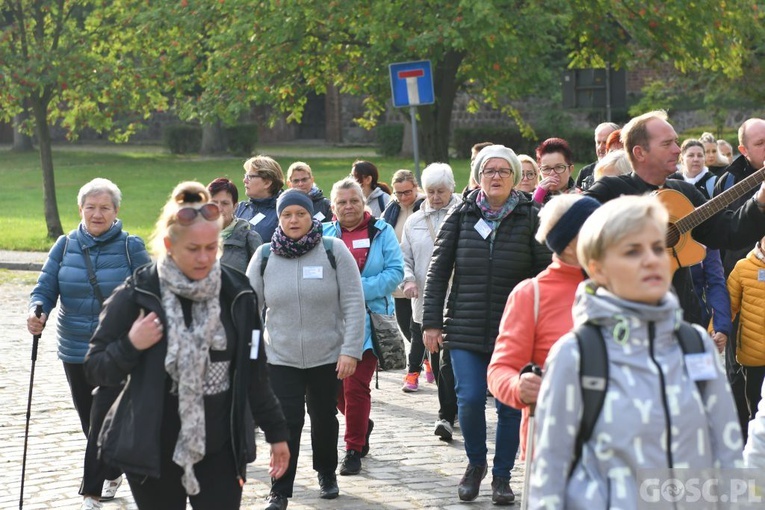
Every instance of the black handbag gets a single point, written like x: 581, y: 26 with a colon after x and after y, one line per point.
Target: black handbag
x: 387, y: 341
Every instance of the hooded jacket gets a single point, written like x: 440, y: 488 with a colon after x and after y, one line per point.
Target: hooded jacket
x: 417, y: 247
x: 112, y: 358
x: 485, y: 271
x: 377, y: 201
x: 321, y: 204
x: 251, y: 209
x: 747, y: 299
x: 651, y: 401
x: 114, y: 255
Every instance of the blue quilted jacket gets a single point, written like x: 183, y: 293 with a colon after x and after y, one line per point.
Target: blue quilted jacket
x: 114, y: 255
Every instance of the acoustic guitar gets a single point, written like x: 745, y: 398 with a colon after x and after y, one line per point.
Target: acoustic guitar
x: 683, y: 250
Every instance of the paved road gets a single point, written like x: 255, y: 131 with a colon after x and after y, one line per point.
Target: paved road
x: 407, y: 467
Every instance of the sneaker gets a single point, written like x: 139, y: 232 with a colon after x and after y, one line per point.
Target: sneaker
x: 90, y: 504
x: 501, y: 493
x: 110, y: 488
x: 365, y: 448
x: 428, y: 371
x: 471, y: 482
x: 351, y: 463
x: 276, y: 502
x: 444, y: 430
x: 328, y: 488
x: 411, y: 383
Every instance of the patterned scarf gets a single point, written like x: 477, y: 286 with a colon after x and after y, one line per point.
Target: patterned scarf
x: 497, y: 216
x: 187, y: 356
x: 290, y: 248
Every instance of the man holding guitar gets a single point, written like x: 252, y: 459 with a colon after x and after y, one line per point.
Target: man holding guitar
x: 652, y: 146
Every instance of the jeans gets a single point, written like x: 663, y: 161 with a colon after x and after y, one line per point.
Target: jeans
x: 470, y: 384
x: 315, y: 388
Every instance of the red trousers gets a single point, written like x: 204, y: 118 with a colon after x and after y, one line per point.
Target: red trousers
x: 354, y: 400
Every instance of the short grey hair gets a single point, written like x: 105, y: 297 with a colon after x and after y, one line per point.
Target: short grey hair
x: 347, y: 183
x: 96, y: 187
x: 438, y: 174
x: 615, y: 220
x: 617, y: 159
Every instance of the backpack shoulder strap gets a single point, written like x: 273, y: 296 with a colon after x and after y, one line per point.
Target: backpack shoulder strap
x: 264, y: 254
x: 328, y: 248
x: 690, y: 339
x: 593, y: 376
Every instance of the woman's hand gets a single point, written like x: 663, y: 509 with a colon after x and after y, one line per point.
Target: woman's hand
x: 346, y: 366
x: 35, y: 324
x: 550, y: 182
x: 433, y: 339
x: 146, y: 331
x: 280, y: 459
x: 720, y: 339
x: 410, y: 290
x: 528, y: 386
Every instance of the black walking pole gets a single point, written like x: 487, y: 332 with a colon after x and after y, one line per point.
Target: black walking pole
x: 35, y: 341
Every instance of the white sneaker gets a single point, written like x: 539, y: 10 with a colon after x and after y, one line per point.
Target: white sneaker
x: 444, y: 430
x: 110, y: 488
x: 90, y: 504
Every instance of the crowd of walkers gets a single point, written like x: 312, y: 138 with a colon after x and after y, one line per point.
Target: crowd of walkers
x: 611, y: 328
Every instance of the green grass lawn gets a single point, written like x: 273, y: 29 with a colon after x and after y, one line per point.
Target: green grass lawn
x: 146, y: 176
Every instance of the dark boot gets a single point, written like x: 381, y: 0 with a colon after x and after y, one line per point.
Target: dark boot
x: 501, y: 493
x: 471, y: 482
x: 328, y: 488
x: 351, y: 463
x: 276, y: 502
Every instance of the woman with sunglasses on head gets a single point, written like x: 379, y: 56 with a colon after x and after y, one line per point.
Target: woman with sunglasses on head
x: 484, y: 248
x: 556, y: 162
x: 82, y: 269
x: 185, y: 333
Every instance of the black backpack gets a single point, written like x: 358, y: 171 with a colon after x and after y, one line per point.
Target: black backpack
x: 327, y: 248
x: 593, y: 374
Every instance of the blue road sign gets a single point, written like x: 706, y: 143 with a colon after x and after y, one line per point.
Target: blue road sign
x: 411, y: 83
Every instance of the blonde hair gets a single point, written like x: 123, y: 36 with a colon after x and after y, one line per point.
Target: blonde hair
x: 525, y: 158
x: 615, y: 159
x: 267, y: 168
x: 298, y: 166
x: 615, y: 220
x: 403, y: 175
x: 552, y: 212
x: 185, y: 194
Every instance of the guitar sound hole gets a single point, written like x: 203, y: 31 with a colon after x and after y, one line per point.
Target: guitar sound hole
x: 673, y: 235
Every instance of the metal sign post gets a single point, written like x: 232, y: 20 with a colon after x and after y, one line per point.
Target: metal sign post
x: 411, y: 85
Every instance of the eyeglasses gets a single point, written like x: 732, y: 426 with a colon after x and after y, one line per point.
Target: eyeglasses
x: 186, y: 215
x: 558, y: 169
x: 249, y: 177
x: 401, y: 194
x: 300, y: 181
x: 529, y: 176
x: 503, y: 173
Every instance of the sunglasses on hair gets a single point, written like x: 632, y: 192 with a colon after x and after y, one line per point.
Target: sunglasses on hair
x: 186, y: 215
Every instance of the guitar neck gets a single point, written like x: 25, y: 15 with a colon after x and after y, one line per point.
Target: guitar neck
x: 720, y: 202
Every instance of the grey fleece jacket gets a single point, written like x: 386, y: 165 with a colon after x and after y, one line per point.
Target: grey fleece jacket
x: 313, y: 313
x: 638, y: 413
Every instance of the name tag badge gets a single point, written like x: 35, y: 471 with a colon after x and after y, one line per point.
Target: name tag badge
x: 761, y: 275
x: 256, y: 219
x: 319, y: 216
x: 255, y: 347
x: 313, y: 273
x: 701, y: 366
x: 361, y: 243
x: 483, y: 228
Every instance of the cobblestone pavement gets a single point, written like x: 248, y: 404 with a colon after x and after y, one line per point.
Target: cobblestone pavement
x: 407, y: 467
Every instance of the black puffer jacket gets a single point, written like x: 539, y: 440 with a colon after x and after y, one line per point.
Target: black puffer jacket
x: 135, y: 442
x: 484, y: 272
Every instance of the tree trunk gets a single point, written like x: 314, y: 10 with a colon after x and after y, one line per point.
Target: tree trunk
x: 22, y: 142
x: 52, y: 219
x: 435, y: 120
x: 213, y: 138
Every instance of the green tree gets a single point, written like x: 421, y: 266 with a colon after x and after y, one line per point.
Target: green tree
x: 77, y: 64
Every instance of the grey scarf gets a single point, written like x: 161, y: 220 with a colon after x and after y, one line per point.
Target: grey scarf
x: 187, y: 356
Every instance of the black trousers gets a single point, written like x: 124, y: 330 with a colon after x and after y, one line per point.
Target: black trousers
x: 91, y: 411
x: 417, y: 352
x: 753, y: 378
x: 216, y: 473
x: 736, y: 380
x: 404, y: 315
x: 441, y: 363
x: 315, y: 388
